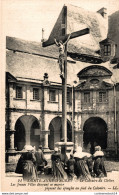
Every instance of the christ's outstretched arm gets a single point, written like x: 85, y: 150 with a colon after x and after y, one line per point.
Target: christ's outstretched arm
x: 56, y: 42
x: 67, y: 40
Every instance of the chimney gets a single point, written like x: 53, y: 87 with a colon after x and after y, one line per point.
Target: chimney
x: 103, y: 12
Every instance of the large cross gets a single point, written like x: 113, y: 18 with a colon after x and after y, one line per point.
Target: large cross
x: 64, y: 80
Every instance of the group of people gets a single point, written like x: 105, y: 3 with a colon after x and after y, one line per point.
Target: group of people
x: 80, y: 165
x: 31, y: 163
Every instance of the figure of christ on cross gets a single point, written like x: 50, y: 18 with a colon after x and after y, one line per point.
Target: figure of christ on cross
x: 62, y: 55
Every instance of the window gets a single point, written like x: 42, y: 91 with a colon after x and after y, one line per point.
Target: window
x: 19, y: 92
x: 68, y: 96
x: 52, y: 96
x: 35, y: 94
x: 107, y: 50
x: 102, y: 96
x: 86, y: 97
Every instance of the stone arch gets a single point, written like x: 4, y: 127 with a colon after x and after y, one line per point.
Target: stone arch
x: 20, y: 135
x: 35, y: 134
x: 21, y: 116
x: 55, y: 128
x: 95, y: 133
x: 27, y: 131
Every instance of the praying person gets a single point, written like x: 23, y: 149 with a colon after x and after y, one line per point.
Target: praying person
x: 70, y: 167
x: 26, y: 164
x: 99, y: 167
x: 57, y: 168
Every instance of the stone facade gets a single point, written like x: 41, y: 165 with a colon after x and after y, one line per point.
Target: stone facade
x: 35, y: 122
x: 34, y: 93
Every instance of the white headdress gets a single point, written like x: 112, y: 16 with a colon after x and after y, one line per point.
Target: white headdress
x: 28, y: 147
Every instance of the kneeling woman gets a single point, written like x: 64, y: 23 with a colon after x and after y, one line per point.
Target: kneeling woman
x: 57, y: 166
x: 99, y: 167
x: 26, y: 164
x: 81, y: 168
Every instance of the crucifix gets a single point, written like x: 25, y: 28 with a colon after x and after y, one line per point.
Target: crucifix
x: 62, y: 44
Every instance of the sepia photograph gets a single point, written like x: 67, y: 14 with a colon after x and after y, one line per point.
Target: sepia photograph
x: 60, y: 106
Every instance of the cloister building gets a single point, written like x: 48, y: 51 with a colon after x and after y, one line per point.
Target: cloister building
x: 34, y: 90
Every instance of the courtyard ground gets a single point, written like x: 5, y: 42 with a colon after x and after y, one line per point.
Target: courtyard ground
x: 112, y: 165
x: 106, y: 184
x: 112, y: 168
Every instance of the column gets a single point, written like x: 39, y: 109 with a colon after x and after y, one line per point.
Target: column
x: 44, y: 131
x: 78, y: 136
x: 44, y: 138
x: 81, y: 138
x: 11, y: 95
x: 27, y: 137
x: 11, y: 140
x: 10, y: 132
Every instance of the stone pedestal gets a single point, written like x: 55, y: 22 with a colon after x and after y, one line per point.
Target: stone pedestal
x: 66, y: 145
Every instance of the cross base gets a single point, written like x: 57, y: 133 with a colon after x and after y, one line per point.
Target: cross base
x: 66, y: 145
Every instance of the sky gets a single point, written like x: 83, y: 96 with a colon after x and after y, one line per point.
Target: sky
x: 25, y: 18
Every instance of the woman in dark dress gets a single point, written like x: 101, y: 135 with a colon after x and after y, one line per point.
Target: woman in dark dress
x: 90, y: 164
x: 99, y: 167
x: 89, y: 160
x: 81, y: 168
x: 57, y: 168
x: 26, y: 164
x: 70, y: 167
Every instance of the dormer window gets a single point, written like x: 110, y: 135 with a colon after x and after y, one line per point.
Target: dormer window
x: 107, y: 50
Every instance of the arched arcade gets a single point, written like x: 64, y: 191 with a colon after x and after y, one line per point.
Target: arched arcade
x: 27, y: 131
x: 95, y: 133
x: 55, y: 128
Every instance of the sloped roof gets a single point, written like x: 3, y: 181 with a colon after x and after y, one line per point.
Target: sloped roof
x: 113, y: 30
x: 30, y: 60
x: 30, y: 47
x: 79, y: 19
x: 33, y: 67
